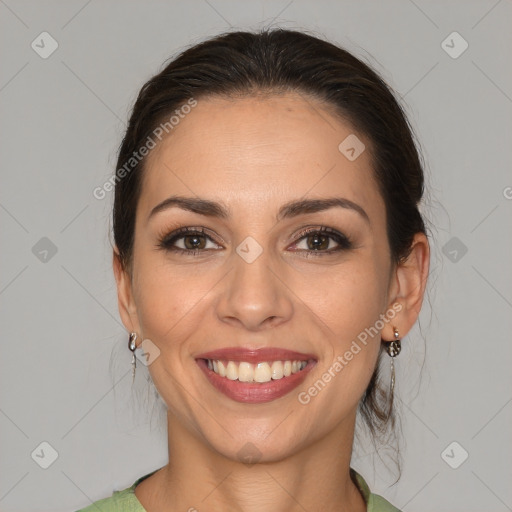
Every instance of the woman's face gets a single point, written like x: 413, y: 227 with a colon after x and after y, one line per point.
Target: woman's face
x: 262, y: 276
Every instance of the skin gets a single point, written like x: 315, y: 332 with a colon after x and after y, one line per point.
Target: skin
x: 254, y: 155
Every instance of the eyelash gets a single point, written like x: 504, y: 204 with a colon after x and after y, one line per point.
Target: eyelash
x: 166, y: 242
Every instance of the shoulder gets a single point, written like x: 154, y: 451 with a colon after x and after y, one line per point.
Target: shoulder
x: 374, y: 502
x: 120, y: 501
x: 377, y: 503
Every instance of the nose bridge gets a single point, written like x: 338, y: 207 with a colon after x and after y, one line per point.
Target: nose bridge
x: 254, y: 295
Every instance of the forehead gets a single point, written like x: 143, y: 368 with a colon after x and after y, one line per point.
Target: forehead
x: 258, y: 152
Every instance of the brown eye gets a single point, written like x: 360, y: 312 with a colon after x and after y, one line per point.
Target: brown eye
x: 192, y: 242
x: 188, y: 241
x: 319, y: 241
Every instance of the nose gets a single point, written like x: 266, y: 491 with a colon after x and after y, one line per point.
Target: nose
x: 255, y: 295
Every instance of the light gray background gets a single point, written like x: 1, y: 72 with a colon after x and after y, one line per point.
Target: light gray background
x: 62, y: 120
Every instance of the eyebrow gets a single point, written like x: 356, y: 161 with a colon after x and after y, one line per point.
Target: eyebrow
x: 289, y: 210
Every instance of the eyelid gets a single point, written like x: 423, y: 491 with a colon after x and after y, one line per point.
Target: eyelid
x: 344, y: 241
x: 167, y: 240
x: 166, y: 237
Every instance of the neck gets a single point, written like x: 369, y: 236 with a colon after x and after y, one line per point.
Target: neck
x: 198, y: 478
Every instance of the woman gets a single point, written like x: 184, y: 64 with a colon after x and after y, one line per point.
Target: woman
x: 269, y: 252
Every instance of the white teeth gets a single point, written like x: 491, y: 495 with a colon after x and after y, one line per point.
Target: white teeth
x: 245, y: 372
x: 222, y: 369
x: 277, y: 370
x: 232, y: 371
x: 260, y: 372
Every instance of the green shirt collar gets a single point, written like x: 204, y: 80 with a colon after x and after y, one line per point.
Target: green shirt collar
x: 374, y: 502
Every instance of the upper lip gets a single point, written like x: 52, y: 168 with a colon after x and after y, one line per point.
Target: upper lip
x: 255, y: 355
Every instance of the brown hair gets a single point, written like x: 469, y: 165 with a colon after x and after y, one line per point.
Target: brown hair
x: 274, y: 61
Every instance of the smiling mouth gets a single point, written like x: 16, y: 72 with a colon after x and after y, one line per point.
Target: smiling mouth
x: 264, y: 371
x: 255, y: 376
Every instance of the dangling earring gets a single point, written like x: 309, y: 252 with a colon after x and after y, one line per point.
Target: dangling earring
x: 393, y: 349
x: 132, y: 346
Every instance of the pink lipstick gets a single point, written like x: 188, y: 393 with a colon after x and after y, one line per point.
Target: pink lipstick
x: 255, y: 375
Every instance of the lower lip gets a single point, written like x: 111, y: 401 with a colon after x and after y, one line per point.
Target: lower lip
x: 255, y: 392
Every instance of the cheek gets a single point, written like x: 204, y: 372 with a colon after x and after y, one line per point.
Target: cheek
x: 350, y: 305
x: 160, y: 297
x: 349, y: 302
x: 171, y: 300
x: 348, y: 298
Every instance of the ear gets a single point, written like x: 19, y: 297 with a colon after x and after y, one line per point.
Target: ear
x: 408, y: 287
x: 125, y: 301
